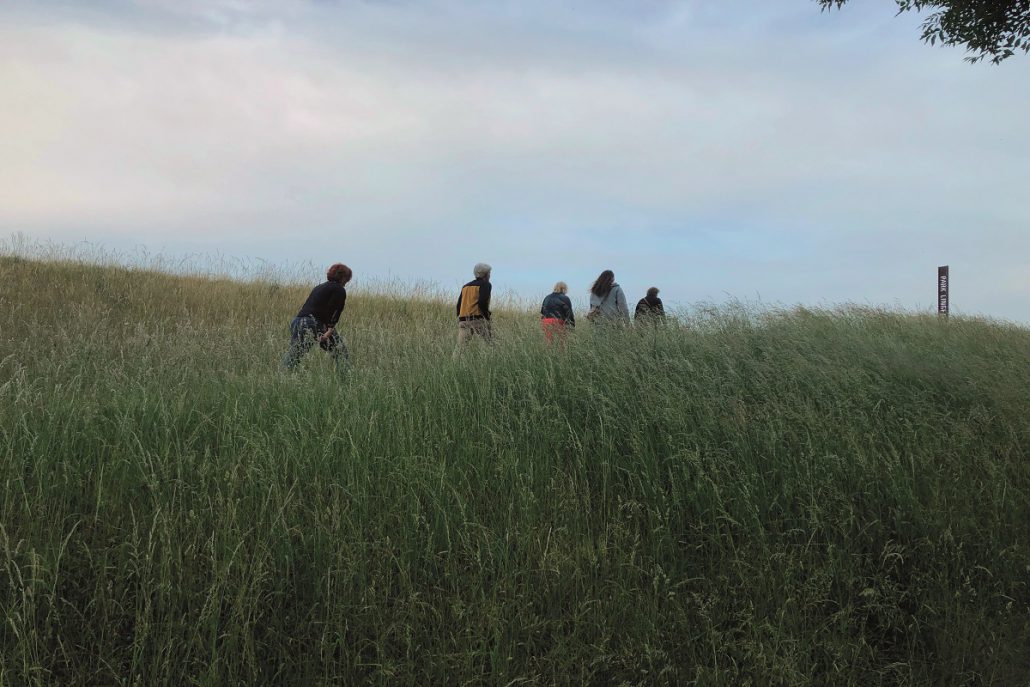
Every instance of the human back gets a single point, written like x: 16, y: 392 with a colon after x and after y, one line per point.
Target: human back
x: 473, y: 307
x: 317, y: 319
x: 325, y: 303
x: 607, y: 299
x: 556, y: 313
x: 558, y: 306
x: 650, y: 307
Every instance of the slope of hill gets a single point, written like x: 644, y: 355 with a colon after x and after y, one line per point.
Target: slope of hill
x: 803, y: 497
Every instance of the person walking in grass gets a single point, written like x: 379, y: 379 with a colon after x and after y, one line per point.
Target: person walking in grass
x: 473, y: 308
x: 649, y: 308
x: 556, y: 313
x: 607, y: 301
x: 318, y: 317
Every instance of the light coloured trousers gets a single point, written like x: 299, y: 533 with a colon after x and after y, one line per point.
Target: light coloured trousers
x: 471, y: 328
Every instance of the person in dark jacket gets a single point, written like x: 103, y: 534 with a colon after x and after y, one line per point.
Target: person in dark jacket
x: 318, y: 317
x: 650, y: 308
x: 556, y: 312
x: 473, y: 307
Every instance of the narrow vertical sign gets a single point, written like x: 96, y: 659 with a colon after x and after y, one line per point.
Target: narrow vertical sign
x: 942, y: 290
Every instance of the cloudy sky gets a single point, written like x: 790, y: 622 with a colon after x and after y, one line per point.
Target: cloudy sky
x: 756, y: 149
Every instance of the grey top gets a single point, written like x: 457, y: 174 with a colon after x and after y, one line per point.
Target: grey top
x: 613, y: 305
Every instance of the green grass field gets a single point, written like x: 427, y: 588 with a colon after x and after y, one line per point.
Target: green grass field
x: 769, y: 498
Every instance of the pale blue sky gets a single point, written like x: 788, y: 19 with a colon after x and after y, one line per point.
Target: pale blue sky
x: 714, y: 149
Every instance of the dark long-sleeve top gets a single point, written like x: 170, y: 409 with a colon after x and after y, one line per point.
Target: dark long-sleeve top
x: 474, y: 301
x: 558, y: 306
x: 650, y: 307
x: 325, y: 303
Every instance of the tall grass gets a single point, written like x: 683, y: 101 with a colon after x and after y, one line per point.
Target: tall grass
x: 774, y: 498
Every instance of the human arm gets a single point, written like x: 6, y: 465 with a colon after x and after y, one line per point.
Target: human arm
x: 620, y: 302
x: 336, y: 305
x: 484, y: 299
x: 570, y: 316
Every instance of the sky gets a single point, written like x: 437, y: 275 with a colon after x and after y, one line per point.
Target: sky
x: 756, y: 150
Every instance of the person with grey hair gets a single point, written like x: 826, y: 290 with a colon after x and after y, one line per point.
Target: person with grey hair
x: 473, y: 308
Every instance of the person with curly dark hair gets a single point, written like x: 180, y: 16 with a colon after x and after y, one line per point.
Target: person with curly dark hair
x: 316, y: 322
x: 649, y: 308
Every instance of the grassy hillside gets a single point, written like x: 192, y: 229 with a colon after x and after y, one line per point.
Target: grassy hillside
x: 793, y: 498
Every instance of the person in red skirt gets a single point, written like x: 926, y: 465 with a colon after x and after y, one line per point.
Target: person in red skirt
x: 556, y: 313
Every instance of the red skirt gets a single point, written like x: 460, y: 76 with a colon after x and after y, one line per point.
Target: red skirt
x: 552, y: 326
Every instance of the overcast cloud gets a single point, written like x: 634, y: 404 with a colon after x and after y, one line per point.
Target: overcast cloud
x: 748, y: 149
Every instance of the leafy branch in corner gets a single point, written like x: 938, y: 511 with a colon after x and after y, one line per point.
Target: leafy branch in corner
x: 995, y: 29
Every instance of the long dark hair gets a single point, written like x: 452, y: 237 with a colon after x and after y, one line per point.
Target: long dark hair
x: 603, y: 284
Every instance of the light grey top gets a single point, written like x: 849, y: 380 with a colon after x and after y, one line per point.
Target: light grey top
x: 613, y: 305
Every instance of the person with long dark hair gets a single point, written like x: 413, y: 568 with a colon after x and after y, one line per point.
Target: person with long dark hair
x: 316, y: 322
x: 607, y: 300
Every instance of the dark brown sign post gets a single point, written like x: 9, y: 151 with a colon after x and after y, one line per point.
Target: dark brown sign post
x: 942, y: 290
